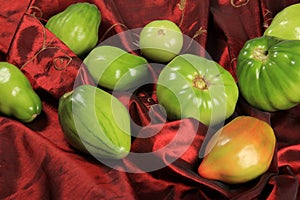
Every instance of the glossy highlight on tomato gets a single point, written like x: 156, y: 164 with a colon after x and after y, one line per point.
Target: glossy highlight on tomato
x: 286, y: 23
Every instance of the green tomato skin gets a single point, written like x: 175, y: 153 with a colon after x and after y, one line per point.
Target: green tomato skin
x: 95, y: 122
x: 161, y: 40
x: 286, y: 24
x: 17, y: 99
x: 77, y: 26
x: 268, y: 72
x: 115, y: 69
x: 193, y: 86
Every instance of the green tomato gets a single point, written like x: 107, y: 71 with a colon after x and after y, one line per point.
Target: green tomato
x: 161, y: 40
x: 115, y: 69
x: 268, y: 72
x: 286, y: 23
x: 193, y: 86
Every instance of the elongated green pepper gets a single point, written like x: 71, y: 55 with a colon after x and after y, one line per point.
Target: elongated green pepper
x: 17, y: 99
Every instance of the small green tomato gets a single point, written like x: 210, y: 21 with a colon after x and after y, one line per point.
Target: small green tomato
x: 161, y: 40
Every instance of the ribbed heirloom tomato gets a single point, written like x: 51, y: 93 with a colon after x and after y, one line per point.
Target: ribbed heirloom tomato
x: 193, y: 86
x: 268, y: 72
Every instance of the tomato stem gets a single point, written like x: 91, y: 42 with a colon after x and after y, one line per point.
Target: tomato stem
x: 260, y: 54
x: 161, y: 32
x: 200, y: 82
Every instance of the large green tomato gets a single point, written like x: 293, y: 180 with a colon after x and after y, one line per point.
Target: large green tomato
x: 286, y: 23
x: 268, y: 72
x: 161, y: 40
x: 196, y: 87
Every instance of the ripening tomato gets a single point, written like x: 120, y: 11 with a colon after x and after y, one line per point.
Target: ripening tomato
x: 240, y: 151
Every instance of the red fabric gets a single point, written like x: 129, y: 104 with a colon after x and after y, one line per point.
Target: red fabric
x: 36, y: 162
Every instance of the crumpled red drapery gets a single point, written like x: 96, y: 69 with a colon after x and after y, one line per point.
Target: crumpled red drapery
x: 36, y: 162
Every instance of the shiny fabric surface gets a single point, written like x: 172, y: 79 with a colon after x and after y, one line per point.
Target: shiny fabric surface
x: 36, y: 161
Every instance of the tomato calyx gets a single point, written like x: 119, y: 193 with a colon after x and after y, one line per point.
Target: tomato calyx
x: 260, y: 54
x: 200, y: 82
x: 161, y: 32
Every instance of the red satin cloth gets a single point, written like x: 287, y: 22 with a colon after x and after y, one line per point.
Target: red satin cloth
x: 36, y: 162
